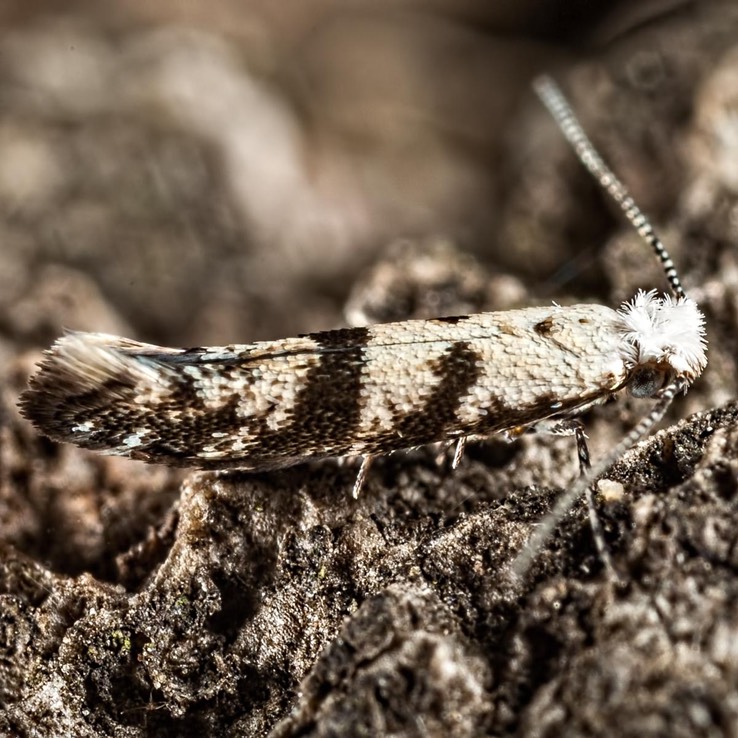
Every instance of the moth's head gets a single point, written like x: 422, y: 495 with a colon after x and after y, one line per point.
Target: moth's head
x: 663, y: 340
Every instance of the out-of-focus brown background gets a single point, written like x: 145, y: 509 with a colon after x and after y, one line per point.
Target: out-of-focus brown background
x: 199, y: 173
x: 222, y: 171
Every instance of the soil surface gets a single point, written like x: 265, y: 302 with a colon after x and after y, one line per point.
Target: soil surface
x: 194, y: 184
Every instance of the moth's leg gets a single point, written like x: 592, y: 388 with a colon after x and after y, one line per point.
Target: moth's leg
x: 575, y: 427
x: 459, y: 453
x: 366, y: 464
x: 570, y: 427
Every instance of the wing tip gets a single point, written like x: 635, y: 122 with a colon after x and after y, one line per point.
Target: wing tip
x: 78, y: 372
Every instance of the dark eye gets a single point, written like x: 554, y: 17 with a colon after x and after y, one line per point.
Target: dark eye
x: 646, y: 382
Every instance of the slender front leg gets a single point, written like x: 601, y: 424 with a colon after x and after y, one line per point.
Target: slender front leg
x: 576, y: 427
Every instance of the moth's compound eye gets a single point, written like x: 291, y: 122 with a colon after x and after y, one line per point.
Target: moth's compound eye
x: 647, y: 381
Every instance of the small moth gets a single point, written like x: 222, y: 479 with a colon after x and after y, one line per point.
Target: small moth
x: 373, y: 390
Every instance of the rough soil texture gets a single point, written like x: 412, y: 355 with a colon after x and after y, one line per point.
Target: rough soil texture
x: 141, y: 601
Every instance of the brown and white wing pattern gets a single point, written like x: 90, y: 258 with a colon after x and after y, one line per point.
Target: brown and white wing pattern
x: 355, y: 391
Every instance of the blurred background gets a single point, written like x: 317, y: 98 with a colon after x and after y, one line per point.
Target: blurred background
x: 197, y: 173
x: 192, y: 173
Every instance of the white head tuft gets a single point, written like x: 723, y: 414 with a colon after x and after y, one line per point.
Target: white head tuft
x: 665, y: 330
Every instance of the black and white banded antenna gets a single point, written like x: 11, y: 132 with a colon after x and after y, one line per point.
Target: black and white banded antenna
x: 553, y: 98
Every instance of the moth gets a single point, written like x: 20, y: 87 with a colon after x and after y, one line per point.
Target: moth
x: 374, y: 390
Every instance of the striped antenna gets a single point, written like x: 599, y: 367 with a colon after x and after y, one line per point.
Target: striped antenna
x: 552, y: 97
x: 565, y: 502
